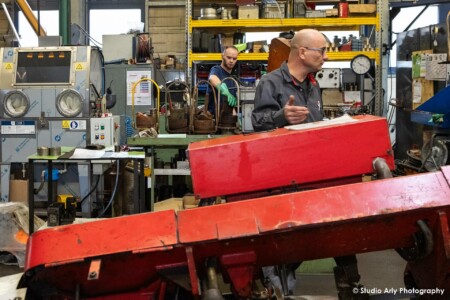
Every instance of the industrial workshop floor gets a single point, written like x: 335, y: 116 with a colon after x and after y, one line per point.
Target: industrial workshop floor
x: 379, y: 271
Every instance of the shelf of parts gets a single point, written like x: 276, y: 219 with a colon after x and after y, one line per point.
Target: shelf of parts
x: 273, y: 24
x: 332, y: 56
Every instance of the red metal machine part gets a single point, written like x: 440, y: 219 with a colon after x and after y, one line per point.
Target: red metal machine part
x: 142, y: 256
x: 139, y: 252
x: 242, y: 164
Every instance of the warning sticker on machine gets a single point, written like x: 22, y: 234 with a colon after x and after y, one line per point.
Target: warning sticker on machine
x: 80, y: 66
x: 74, y: 124
x: 18, y: 127
x: 8, y: 67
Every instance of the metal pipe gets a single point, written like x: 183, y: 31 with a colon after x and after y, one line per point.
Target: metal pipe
x: 11, y: 23
x: 64, y: 21
x: 31, y: 18
x: 36, y: 191
x: 212, y: 278
x: 38, y: 7
x: 382, y: 168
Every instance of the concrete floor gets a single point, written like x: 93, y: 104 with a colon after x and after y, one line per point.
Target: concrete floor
x: 379, y: 270
x: 6, y: 270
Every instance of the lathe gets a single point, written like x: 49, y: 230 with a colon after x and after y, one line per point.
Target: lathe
x: 303, y: 202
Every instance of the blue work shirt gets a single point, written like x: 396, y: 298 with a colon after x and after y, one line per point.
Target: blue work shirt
x: 221, y: 74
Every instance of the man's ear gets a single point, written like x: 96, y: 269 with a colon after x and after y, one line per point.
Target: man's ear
x: 301, y: 52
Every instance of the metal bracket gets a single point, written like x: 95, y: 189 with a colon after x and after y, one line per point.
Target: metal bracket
x: 240, y: 269
x: 94, y: 269
x: 43, y: 122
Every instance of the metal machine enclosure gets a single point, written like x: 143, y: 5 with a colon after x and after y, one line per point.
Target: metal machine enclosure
x: 45, y: 95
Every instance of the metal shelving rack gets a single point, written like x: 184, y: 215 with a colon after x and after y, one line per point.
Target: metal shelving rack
x: 378, y: 21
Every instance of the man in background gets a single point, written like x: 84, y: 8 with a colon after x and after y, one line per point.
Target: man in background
x: 217, y: 74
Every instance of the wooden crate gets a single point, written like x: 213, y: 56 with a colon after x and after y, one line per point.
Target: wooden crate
x: 166, y: 26
x: 362, y: 8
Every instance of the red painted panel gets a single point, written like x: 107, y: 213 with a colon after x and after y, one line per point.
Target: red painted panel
x: 244, y: 163
x: 136, y: 233
x: 316, y: 207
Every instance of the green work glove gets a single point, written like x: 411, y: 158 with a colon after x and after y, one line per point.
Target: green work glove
x: 437, y: 118
x: 224, y: 91
x: 232, y: 101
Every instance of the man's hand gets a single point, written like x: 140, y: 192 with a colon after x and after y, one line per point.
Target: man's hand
x: 222, y: 87
x: 295, y: 114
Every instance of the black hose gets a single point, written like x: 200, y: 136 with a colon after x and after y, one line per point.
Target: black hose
x: 114, y: 191
x: 91, y: 191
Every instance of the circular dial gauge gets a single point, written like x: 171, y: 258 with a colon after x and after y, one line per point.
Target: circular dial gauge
x: 69, y: 103
x: 360, y: 64
x: 16, y: 104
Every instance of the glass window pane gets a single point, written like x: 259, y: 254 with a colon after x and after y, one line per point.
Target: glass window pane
x: 404, y: 18
x: 49, y: 21
x: 113, y: 21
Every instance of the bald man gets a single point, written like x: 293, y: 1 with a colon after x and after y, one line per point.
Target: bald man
x: 290, y: 95
x: 287, y: 96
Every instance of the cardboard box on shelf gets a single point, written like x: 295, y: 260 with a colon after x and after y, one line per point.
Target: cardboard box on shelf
x: 227, y: 41
x: 258, y: 46
x: 356, y: 9
x: 177, y: 203
x: 248, y: 12
x: 245, y: 2
x: 18, y: 191
x: 172, y: 203
x: 273, y: 11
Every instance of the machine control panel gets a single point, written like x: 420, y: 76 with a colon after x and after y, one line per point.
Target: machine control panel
x: 102, y: 131
x: 329, y: 78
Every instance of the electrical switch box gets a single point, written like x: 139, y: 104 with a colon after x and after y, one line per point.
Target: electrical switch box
x: 102, y: 131
x: 329, y: 78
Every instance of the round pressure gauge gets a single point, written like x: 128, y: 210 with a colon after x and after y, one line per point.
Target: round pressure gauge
x: 16, y: 104
x: 360, y: 64
x: 69, y: 103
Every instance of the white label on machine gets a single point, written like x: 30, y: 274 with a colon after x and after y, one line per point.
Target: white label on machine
x: 142, y: 91
x: 74, y: 124
x: 18, y: 127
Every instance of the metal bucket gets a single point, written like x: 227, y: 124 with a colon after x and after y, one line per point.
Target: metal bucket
x: 178, y: 120
x: 204, y: 126
x: 146, y: 120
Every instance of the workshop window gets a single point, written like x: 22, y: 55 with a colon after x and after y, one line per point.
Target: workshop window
x: 113, y: 21
x: 403, y: 19
x: 49, y: 21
